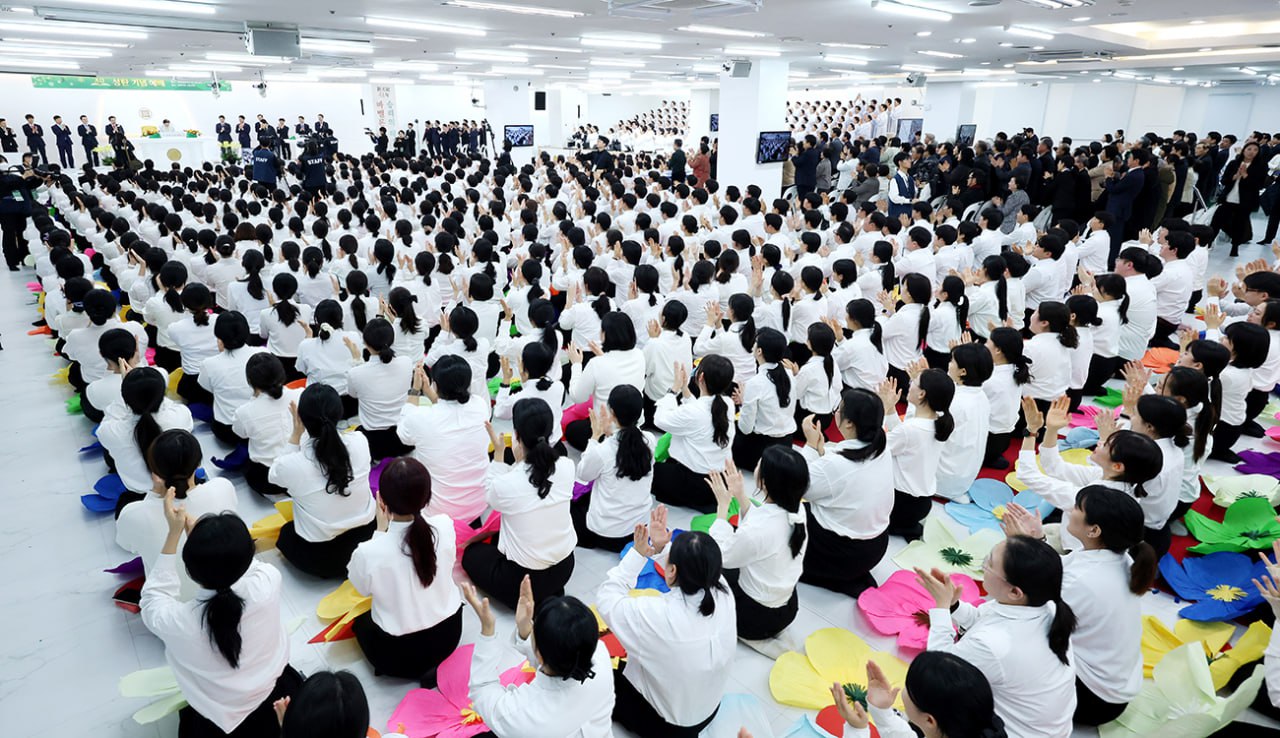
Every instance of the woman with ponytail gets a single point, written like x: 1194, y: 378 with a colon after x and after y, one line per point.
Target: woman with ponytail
x: 944, y: 696
x: 358, y: 306
x: 702, y: 431
x: 987, y: 291
x: 681, y: 644
x: 348, y: 259
x: 764, y: 556
x: 1020, y: 637
x: 326, y: 474
x: 264, y: 421
x: 573, y: 694
x: 644, y: 306
x: 229, y: 650
x: 223, y: 375
x: 537, y: 537
x: 916, y: 444
x: 618, y: 462
x: 970, y: 368
x: 1163, y: 420
x: 283, y: 324
x: 249, y: 296
x: 736, y: 342
x: 458, y: 338
x: 850, y: 496
x: 221, y: 273
x: 165, y: 308
x: 381, y: 272
x: 617, y: 362
x: 172, y: 458
x: 323, y: 356
x: 906, y: 328
x: 818, y: 384
x: 1111, y: 293
x: 406, y: 567
x: 538, y: 378
x: 131, y: 425
x: 1248, y: 345
x: 401, y: 310
x: 545, y: 330
x: 315, y: 284
x: 860, y: 357
x: 948, y: 320
x: 1049, y: 353
x: 194, y: 337
x: 1192, y: 389
x: 1084, y: 318
x: 776, y: 307
x: 448, y: 436
x: 380, y: 385
x: 582, y: 319
x: 1011, y: 370
x: 768, y: 414
x: 120, y: 350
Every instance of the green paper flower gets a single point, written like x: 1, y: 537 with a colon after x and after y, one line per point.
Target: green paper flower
x: 1249, y: 525
x: 856, y: 693
x: 1180, y: 702
x: 955, y: 556
x: 941, y: 549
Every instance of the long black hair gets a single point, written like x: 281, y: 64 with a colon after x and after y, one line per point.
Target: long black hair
x: 285, y: 286
x: 1119, y: 519
x: 196, y: 298
x: 142, y: 390
x: 864, y: 410
x: 463, y: 324
x: 717, y: 374
x: 635, y: 458
x: 379, y: 336
x: 1009, y: 342
x: 917, y: 287
x: 357, y: 290
x: 320, y: 410
x: 405, y: 488
x: 265, y: 373
x: 1166, y: 417
x: 939, y: 391
x: 173, y: 276
x: 1141, y: 457
x: 567, y: 635
x: 773, y: 348
x: 253, y: 262
x: 532, y: 422
x: 783, y: 283
x: 401, y: 301
x: 1058, y: 317
x: 542, y: 314
x: 994, y: 267
x: 1192, y: 387
x: 329, y: 704
x: 784, y: 474
x: 218, y: 552
x: 863, y: 312
x: 955, y: 693
x: 174, y: 456
x: 698, y: 564
x: 741, y: 310
x: 1035, y: 568
x: 822, y: 341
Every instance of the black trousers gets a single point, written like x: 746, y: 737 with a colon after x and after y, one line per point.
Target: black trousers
x: 755, y: 621
x: 824, y: 420
x: 1101, y: 368
x: 1158, y: 538
x: 168, y: 359
x: 384, y: 443
x: 190, y: 390
x: 261, y: 723
x: 676, y: 484
x: 12, y: 227
x: 38, y: 153
x: 577, y: 433
x: 256, y: 475
x: 1161, y: 338
x: 411, y: 655
x: 1091, y: 709
x: 326, y: 559
x: 908, y: 512
x: 840, y: 564
x: 66, y: 156
x: 1235, y: 221
x: 902, y: 378
x: 92, y: 413
x: 749, y: 447
x: 1253, y: 404
x: 633, y: 712
x: 1224, y: 437
x: 588, y: 538
x: 500, y: 577
x: 937, y: 359
x: 997, y: 444
x: 223, y: 432
x: 91, y: 156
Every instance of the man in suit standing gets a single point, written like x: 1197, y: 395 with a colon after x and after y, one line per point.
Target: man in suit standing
x: 1123, y: 189
x: 450, y: 139
x: 88, y: 139
x: 223, y: 130
x: 62, y: 137
x: 282, y: 140
x: 433, y: 139
x: 410, y: 141
x: 678, y: 161
x: 805, y: 158
x: 244, y: 135
x: 322, y: 127
x: 116, y: 137
x: 35, y: 140
x: 602, y: 158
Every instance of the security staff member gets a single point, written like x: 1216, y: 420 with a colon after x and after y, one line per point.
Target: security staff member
x: 62, y: 136
x: 410, y: 141
x: 17, y: 202
x: 223, y: 129
x: 244, y: 134
x: 314, y: 176
x: 452, y: 138
x: 35, y: 140
x: 8, y: 138
x: 282, y: 140
x: 266, y: 165
x: 88, y: 139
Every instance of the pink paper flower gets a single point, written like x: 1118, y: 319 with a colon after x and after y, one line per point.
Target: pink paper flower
x: 901, y: 607
x: 1087, y: 416
x: 446, y: 712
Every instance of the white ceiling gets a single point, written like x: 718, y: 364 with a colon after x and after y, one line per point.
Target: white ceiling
x: 795, y: 28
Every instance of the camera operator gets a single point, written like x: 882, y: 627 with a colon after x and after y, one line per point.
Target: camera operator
x: 17, y: 203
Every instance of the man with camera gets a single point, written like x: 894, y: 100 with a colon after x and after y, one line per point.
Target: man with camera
x: 17, y: 203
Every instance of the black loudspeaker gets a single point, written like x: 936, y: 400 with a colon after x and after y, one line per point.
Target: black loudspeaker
x: 539, y: 101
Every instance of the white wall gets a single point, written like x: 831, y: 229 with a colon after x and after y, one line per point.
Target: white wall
x: 419, y: 103
x: 338, y: 102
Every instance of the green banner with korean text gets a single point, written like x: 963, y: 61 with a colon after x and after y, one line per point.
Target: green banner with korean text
x: 75, y: 82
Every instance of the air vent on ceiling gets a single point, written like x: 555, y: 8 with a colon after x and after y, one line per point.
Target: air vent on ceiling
x: 1238, y: 83
x: 656, y: 9
x: 983, y: 3
x: 1059, y: 4
x: 1070, y: 57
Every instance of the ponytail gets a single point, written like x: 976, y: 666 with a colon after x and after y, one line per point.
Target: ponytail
x: 1035, y: 568
x: 784, y: 474
x: 939, y: 391
x: 532, y: 423
x: 405, y: 489
x: 634, y: 459
x: 865, y: 412
x: 217, y: 554
x: 221, y: 617
x: 717, y: 374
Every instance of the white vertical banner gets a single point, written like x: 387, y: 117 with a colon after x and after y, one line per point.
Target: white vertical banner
x: 384, y: 107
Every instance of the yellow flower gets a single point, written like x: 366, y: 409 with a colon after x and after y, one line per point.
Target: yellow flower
x: 1226, y: 593
x: 998, y: 511
x: 1158, y: 641
x: 470, y: 716
x: 830, y: 655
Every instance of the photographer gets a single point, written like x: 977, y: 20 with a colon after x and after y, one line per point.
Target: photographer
x: 17, y: 203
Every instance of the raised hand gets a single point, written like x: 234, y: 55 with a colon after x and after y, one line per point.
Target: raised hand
x: 524, y: 609
x: 481, y: 607
x: 945, y: 593
x: 1019, y: 521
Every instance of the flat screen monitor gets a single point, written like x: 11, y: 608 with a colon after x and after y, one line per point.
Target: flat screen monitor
x: 908, y: 128
x: 715, y: 122
x: 773, y: 146
x: 966, y: 134
x: 518, y: 135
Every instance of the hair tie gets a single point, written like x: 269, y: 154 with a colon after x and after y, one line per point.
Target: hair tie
x: 326, y: 328
x: 797, y: 517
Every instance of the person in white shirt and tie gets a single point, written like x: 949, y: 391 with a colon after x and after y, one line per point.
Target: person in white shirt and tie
x: 407, y: 568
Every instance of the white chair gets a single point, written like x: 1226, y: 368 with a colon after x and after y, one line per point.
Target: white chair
x: 971, y: 212
x: 1042, y: 220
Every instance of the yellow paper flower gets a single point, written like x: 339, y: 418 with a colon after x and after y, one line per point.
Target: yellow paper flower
x: 1158, y: 641
x: 830, y: 655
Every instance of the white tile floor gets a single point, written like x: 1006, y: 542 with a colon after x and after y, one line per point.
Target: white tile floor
x: 65, y: 645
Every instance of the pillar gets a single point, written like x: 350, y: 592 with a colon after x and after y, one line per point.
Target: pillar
x: 749, y: 105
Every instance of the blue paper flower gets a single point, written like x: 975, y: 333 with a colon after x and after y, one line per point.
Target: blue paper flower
x: 649, y: 577
x: 1220, y: 584
x: 990, y: 498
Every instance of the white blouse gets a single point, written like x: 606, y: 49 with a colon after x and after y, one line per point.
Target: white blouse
x: 852, y: 499
x: 604, y: 372
x: 327, y: 361
x: 381, y: 389
x: 963, y: 451
x: 1050, y: 367
x: 537, y: 532
x: 382, y: 568
x: 116, y: 434
x: 916, y: 453
x: 267, y: 423
x: 223, y: 376
x: 618, y: 504
x: 901, y: 337
x: 814, y: 391
x: 761, y: 413
x: 760, y: 549
x: 693, y: 433
x: 861, y: 364
x: 1107, y: 639
x: 283, y: 340
x: 319, y: 515
x: 195, y: 342
x: 450, y: 440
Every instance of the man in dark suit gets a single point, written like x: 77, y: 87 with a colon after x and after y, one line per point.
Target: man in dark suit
x: 678, y: 161
x: 602, y: 158
x: 451, y: 138
x: 322, y: 127
x: 120, y: 142
x: 223, y: 130
x: 35, y: 140
x: 805, y: 158
x: 88, y: 139
x: 1123, y: 188
x: 62, y: 137
x: 282, y: 140
x: 433, y: 139
x: 244, y: 134
x: 301, y: 129
x: 410, y: 141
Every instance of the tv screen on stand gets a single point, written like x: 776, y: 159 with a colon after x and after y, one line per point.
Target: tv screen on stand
x: 773, y: 146
x: 518, y: 135
x: 966, y: 134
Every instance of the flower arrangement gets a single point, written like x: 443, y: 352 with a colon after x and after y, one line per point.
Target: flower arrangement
x: 192, y: 133
x: 150, y: 131
x: 106, y: 154
x: 230, y: 152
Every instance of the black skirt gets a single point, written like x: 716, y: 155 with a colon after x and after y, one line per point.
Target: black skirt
x: 749, y: 447
x: 385, y: 443
x: 588, y: 538
x: 908, y: 512
x: 840, y: 564
x: 755, y: 621
x: 411, y: 655
x: 261, y: 723
x: 326, y: 559
x: 256, y: 475
x: 633, y: 712
x: 500, y: 577
x: 676, y: 484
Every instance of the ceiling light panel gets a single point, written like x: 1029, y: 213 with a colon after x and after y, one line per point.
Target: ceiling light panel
x: 405, y: 24
x: 719, y: 31
x: 92, y: 30
x: 162, y: 6
x: 920, y: 12
x: 514, y: 8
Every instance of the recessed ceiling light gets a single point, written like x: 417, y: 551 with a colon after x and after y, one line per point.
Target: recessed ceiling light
x: 619, y: 43
x: 1006, y: 44
x: 719, y: 31
x: 1037, y: 48
x: 1029, y: 32
x: 923, y: 34
x: 968, y: 40
x: 915, y: 11
x: 1008, y: 66
x: 985, y: 64
x: 1081, y: 19
x: 941, y: 54
x: 429, y: 27
x: 538, y: 47
x: 1196, y: 22
x: 1207, y: 48
x: 520, y: 9
x: 1178, y: 69
x: 1095, y: 80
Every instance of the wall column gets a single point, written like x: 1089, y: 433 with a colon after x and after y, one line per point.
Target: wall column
x: 747, y: 106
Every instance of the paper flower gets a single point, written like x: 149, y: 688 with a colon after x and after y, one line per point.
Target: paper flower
x: 158, y: 684
x: 1220, y: 584
x: 1180, y: 701
x: 1078, y: 456
x: 990, y: 498
x: 1249, y: 525
x: 1160, y: 360
x: 652, y: 576
x: 1087, y: 416
x: 830, y: 655
x: 703, y: 522
x: 106, y: 493
x: 1256, y: 462
x: 268, y: 528
x: 901, y: 607
x: 1228, y: 489
x: 1158, y: 641
x: 341, y: 606
x: 940, y: 549
x: 445, y: 712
